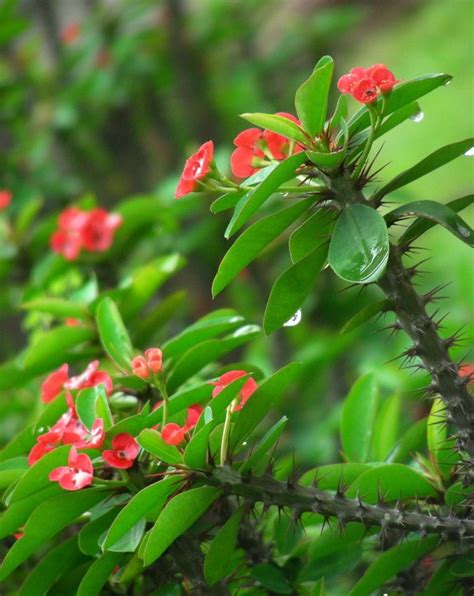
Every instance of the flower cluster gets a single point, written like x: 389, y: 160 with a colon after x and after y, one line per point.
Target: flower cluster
x: 254, y: 144
x: 78, y: 230
x: 59, y: 380
x: 366, y: 84
x: 5, y: 199
x: 174, y: 434
x: 149, y: 364
x: 227, y: 378
x: 196, y: 169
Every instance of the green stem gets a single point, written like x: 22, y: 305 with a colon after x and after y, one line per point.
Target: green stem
x: 161, y: 386
x: 374, y: 124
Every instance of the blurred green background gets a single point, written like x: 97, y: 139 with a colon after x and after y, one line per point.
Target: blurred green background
x: 103, y: 100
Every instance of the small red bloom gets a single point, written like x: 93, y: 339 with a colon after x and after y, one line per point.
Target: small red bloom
x: 140, y: 368
x: 46, y: 443
x: 383, y: 77
x: 194, y: 412
x: 196, y: 168
x: 99, y: 229
x: 95, y: 438
x: 54, y: 384
x: 5, y: 199
x: 365, y: 90
x: 123, y: 453
x: 467, y: 370
x: 229, y: 377
x: 77, y: 474
x: 366, y: 84
x: 70, y: 33
x: 91, y: 377
x: 154, y: 359
x: 173, y: 434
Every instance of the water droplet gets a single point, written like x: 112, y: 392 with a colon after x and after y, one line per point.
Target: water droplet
x: 470, y: 152
x: 448, y: 82
x: 41, y: 429
x: 464, y: 232
x: 418, y: 117
x: 295, y: 319
x: 244, y: 443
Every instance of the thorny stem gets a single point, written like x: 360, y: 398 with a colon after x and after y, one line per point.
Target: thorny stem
x: 430, y: 348
x: 302, y: 499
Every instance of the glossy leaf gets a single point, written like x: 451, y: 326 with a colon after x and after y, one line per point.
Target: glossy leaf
x: 261, y: 401
x: 177, y: 517
x: 253, y: 240
x: 432, y: 162
x: 386, y: 427
x: 254, y: 199
x: 292, y: 288
x: 195, y: 454
x: 227, y: 201
x: 56, y: 563
x: 403, y: 94
x: 422, y: 224
x: 329, y: 477
x: 45, y: 522
x: 359, y: 247
x: 413, y: 441
x: 278, y: 124
x: 152, y: 442
x: 266, y: 443
x: 437, y: 213
x: 218, y: 560
x: 57, y: 307
x: 90, y: 533
x: 339, y: 112
x: 311, y: 234
x: 394, y: 481
x: 148, y: 499
x: 86, y: 405
x: 98, y: 574
x: 391, y: 562
x: 311, y: 99
x: 113, y: 334
x: 357, y: 419
x: 365, y: 314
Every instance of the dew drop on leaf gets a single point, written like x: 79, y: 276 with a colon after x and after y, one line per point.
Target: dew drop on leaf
x: 295, y: 319
x: 418, y: 117
x: 470, y: 152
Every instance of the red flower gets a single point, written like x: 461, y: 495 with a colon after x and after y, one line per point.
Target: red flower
x: 70, y: 33
x: 90, y: 230
x: 5, y: 199
x: 229, y: 377
x: 77, y: 474
x: 467, y: 370
x: 251, y: 145
x: 366, y: 84
x: 46, y: 443
x: 194, y: 412
x: 173, y: 434
x: 124, y: 451
x: 54, y: 384
x: 99, y: 229
x: 95, y: 438
x: 152, y: 362
x: 70, y: 322
x: 196, y: 168
x: 91, y: 377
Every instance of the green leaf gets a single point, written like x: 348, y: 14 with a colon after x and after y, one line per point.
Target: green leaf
x: 442, y: 449
x: 45, y: 522
x: 311, y: 99
x: 292, y: 288
x: 437, y: 213
x: 218, y: 405
x: 278, y: 124
x: 434, y: 161
x: 457, y: 494
x: 152, y: 442
x: 177, y: 517
x: 98, y: 574
x: 86, y: 404
x: 227, y: 201
x: 57, y: 307
x: 56, y: 563
x: 386, y: 427
x: 395, y: 481
x: 148, y: 499
x: 218, y: 560
x: 339, y: 113
x: 90, y: 533
x: 131, y: 540
x: 266, y: 443
x: 441, y: 582
x: 254, y: 199
x: 310, y: 234
x: 145, y: 282
x: 261, y: 402
x: 319, y: 589
x: 147, y: 328
x: 331, y: 476
x: 49, y: 349
x: 403, y: 94
x: 391, y: 562
x: 359, y: 247
x: 327, y: 160
x: 357, y: 419
x: 422, y: 225
x: 11, y: 470
x: 195, y: 454
x: 206, y: 352
x: 272, y: 578
x: 113, y: 334
x: 414, y: 440
x: 253, y: 240
x: 200, y: 331
x: 365, y: 314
